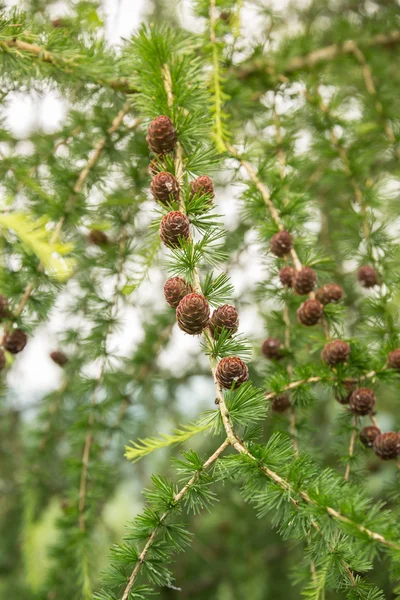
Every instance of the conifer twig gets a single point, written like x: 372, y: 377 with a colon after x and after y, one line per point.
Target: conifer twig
x: 177, y: 498
x: 240, y: 447
x: 351, y: 448
x: 266, y: 197
x: 326, y: 54
x: 83, y: 175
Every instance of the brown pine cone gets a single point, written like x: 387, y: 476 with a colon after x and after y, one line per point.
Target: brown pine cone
x: 157, y: 165
x: 2, y: 360
x: 226, y: 317
x: 165, y: 188
x: 286, y: 275
x: 193, y: 313
x: 59, y: 358
x: 98, y: 238
x: 362, y: 401
x: 281, y: 243
x: 367, y: 276
x: 202, y: 185
x: 331, y: 292
x: 272, y: 348
x: 335, y: 352
x: 15, y: 341
x: 368, y: 435
x: 344, y: 397
x: 304, y: 281
x: 393, y: 360
x: 175, y: 289
x: 4, y: 312
x: 231, y: 371
x: 161, y: 135
x: 173, y: 227
x: 387, y: 445
x: 280, y: 403
x: 310, y: 312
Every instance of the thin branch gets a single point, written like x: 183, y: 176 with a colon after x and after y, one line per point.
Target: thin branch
x: 266, y: 197
x: 240, y: 447
x: 351, y: 448
x: 177, y: 498
x: 26, y: 50
x: 371, y: 89
x: 97, y: 151
x: 326, y: 54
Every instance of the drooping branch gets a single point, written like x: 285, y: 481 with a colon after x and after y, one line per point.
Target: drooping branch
x: 177, y: 499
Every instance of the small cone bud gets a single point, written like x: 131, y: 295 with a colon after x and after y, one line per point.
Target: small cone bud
x: 59, y: 358
x: 272, y: 348
x: 175, y: 289
x: 286, y: 275
x: 336, y: 352
x: 165, y: 188
x: 362, y: 401
x: 231, y: 371
x: 15, y: 341
x: 202, y: 186
x: 173, y: 227
x: 328, y: 293
x: 393, y: 360
x: 304, y: 281
x: 281, y: 243
x: 225, y: 317
x: 161, y: 135
x: 387, y: 445
x: 193, y: 314
x: 280, y: 403
x: 368, y: 435
x: 367, y: 276
x: 98, y: 238
x: 310, y: 312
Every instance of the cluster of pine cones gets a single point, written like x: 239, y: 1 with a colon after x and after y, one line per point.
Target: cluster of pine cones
x: 192, y: 308
x: 303, y: 281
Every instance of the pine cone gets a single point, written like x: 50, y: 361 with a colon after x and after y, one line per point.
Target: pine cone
x: 193, y: 313
x: 367, y: 276
x: 304, y: 281
x: 336, y: 352
x: 226, y: 317
x: 231, y: 371
x: 272, y: 348
x: 281, y: 243
x: 175, y: 289
x: 368, y: 435
x: 2, y: 360
x: 165, y: 188
x: 362, y: 401
x: 59, y: 358
x: 173, y: 226
x: 280, y: 403
x: 98, y: 238
x: 387, y: 445
x: 161, y: 135
x: 331, y: 292
x: 202, y: 186
x: 157, y: 165
x: 344, y: 398
x: 15, y: 341
x: 310, y: 312
x: 4, y: 312
x: 286, y: 276
x: 394, y: 359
